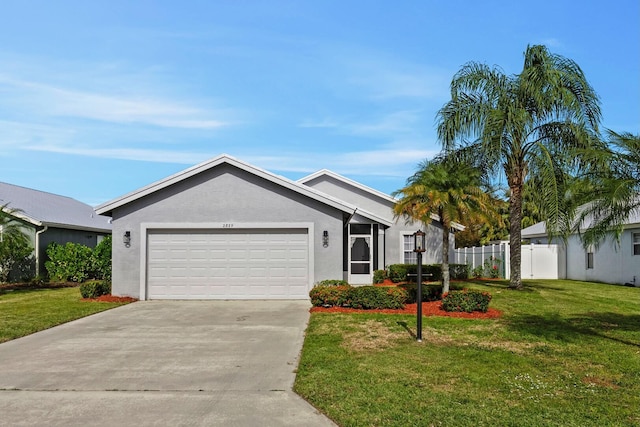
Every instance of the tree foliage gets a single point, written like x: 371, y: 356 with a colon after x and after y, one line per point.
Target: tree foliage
x: 449, y: 188
x: 525, y: 124
x: 612, y: 190
x: 15, y: 249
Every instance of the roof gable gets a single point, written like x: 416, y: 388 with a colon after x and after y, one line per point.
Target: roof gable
x: 325, y: 172
x: 46, y: 209
x: 108, y: 207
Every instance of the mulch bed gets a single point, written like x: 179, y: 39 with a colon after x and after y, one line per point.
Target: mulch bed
x: 110, y: 298
x: 428, y: 309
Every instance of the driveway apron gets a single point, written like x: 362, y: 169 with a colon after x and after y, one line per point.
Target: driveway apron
x: 178, y: 363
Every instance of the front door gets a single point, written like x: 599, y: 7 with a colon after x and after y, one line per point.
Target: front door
x: 360, y: 253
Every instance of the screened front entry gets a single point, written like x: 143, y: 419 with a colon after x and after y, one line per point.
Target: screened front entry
x: 362, y: 251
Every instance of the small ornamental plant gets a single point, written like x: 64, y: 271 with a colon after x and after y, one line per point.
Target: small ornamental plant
x: 467, y: 300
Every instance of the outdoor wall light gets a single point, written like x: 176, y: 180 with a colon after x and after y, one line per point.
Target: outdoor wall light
x: 325, y: 238
x: 127, y: 238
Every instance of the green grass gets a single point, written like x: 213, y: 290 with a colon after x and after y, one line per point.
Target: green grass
x: 23, y: 312
x: 564, y: 353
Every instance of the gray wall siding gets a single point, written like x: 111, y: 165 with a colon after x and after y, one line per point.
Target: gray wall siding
x: 433, y: 254
x: 350, y: 194
x: 612, y: 263
x: 224, y: 194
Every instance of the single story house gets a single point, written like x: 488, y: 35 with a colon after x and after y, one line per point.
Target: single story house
x: 46, y: 218
x: 611, y: 262
x: 225, y: 229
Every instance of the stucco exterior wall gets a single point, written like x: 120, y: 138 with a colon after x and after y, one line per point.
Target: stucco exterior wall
x: 612, y: 262
x: 394, y: 253
x: 224, y: 194
x: 350, y: 194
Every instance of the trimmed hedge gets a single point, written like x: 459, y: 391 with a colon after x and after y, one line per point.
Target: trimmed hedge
x: 398, y: 272
x: 467, y: 300
x: 364, y: 297
x: 332, y: 282
x: 369, y: 297
x: 329, y: 295
x: 95, y: 288
x: 379, y: 276
x: 430, y: 292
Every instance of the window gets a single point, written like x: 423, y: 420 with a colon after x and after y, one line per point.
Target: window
x: 635, y: 237
x: 589, y: 257
x: 409, y: 257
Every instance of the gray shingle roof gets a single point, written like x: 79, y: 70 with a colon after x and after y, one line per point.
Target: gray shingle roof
x: 41, y: 208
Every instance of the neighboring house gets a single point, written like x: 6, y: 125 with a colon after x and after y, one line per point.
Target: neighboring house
x: 47, y: 218
x: 225, y: 229
x: 612, y: 262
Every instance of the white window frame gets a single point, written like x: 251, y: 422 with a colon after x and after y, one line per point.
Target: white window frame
x: 635, y: 243
x: 413, y: 257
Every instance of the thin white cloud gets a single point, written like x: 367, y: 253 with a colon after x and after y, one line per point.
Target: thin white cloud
x: 145, y: 155
x: 58, y: 101
x: 383, y: 161
x: 390, y: 125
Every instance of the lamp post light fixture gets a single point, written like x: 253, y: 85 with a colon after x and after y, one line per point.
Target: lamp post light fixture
x: 419, y: 238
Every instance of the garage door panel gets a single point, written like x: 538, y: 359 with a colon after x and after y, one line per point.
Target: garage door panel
x: 205, y: 264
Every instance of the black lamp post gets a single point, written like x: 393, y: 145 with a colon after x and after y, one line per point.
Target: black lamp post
x: 419, y: 238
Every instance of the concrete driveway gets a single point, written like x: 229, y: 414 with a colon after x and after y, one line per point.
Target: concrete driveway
x: 165, y: 363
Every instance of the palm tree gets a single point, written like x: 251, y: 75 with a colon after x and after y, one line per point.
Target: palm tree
x: 448, y: 188
x: 525, y: 124
x: 614, y: 193
x: 14, y: 244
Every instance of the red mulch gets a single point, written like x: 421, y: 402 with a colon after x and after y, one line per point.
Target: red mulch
x: 428, y: 309
x: 110, y: 298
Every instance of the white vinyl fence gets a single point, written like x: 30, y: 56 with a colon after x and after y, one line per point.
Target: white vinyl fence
x: 538, y: 261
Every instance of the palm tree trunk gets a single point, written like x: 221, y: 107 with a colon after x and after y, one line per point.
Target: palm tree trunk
x: 515, y: 235
x: 445, y: 258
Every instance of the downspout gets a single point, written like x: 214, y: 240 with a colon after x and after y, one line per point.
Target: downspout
x: 38, y: 233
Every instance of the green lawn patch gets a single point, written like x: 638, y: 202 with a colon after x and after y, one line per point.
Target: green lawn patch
x: 564, y: 353
x: 25, y: 311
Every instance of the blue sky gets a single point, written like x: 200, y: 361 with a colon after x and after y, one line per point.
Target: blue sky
x: 99, y: 98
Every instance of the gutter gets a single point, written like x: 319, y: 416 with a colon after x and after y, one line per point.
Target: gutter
x: 38, y: 233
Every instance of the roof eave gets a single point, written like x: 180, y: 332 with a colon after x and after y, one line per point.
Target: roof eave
x: 108, y: 207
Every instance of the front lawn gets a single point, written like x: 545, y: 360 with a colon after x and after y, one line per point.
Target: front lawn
x: 564, y: 353
x: 23, y: 312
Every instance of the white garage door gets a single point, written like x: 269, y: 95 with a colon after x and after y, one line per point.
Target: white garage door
x: 228, y: 264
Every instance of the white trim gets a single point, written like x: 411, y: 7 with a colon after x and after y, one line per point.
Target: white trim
x: 346, y: 180
x: 368, y: 278
x: 146, y: 226
x: 108, y: 207
x: 401, y: 245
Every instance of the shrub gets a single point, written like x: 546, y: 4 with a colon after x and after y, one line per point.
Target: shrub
x: 492, y: 267
x: 16, y: 260
x: 329, y: 295
x: 332, y: 282
x: 69, y: 262
x: 429, y: 292
x: 398, y: 272
x: 379, y: 276
x: 467, y: 300
x: 459, y: 271
x: 101, y: 260
x: 95, y: 288
x: 371, y: 297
